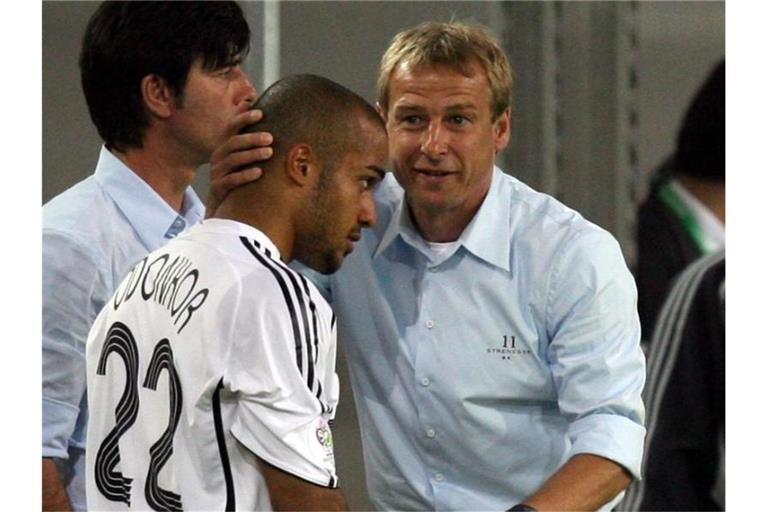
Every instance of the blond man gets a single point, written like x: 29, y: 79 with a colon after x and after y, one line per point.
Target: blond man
x: 492, y: 332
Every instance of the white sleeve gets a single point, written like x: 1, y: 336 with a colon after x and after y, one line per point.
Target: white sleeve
x: 272, y: 369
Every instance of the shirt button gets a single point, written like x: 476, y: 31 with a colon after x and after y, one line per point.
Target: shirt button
x: 425, y: 381
x: 430, y: 433
x: 430, y: 324
x: 439, y: 477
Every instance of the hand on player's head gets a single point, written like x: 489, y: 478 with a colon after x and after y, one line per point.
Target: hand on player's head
x: 235, y: 163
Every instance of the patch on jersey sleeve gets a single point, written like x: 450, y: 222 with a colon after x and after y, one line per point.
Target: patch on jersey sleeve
x: 325, y: 438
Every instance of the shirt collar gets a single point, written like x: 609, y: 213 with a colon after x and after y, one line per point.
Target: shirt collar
x: 233, y: 228
x: 400, y: 225
x: 152, y: 218
x: 479, y: 235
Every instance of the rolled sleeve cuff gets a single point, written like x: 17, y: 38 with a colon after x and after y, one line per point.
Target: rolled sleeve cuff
x: 616, y: 438
x: 59, y: 420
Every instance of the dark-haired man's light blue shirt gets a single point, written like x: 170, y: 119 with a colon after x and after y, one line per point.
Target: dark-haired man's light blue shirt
x: 479, y: 371
x: 93, y: 233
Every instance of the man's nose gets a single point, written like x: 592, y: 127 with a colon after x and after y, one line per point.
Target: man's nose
x: 367, y: 217
x: 249, y: 93
x: 434, y: 144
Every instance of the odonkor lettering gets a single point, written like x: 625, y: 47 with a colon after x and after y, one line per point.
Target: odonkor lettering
x: 169, y: 283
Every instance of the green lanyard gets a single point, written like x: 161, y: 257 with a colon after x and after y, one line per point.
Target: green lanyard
x: 672, y: 199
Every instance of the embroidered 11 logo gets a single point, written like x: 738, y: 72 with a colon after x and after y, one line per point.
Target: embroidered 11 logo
x: 508, y: 348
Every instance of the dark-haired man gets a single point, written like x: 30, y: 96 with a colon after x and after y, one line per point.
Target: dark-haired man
x: 243, y: 347
x: 164, y: 87
x: 683, y: 217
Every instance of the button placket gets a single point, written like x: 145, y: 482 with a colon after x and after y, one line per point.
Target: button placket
x: 428, y: 342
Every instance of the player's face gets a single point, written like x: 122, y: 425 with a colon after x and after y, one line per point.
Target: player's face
x: 204, y: 114
x: 344, y: 204
x: 442, y: 136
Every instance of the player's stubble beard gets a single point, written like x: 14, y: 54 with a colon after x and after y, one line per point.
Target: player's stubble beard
x: 317, y: 248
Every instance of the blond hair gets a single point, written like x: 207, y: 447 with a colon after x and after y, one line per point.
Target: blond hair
x: 453, y: 44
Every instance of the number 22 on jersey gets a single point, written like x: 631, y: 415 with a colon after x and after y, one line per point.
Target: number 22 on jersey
x: 114, y: 485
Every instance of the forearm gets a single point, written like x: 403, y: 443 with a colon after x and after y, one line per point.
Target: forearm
x: 585, y: 482
x: 288, y: 492
x: 54, y: 493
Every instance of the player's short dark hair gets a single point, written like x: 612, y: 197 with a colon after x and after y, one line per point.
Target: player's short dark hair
x: 313, y: 110
x: 126, y: 41
x: 701, y: 140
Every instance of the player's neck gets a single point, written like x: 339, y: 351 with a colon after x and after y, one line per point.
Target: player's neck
x: 263, y: 211
x: 166, y: 175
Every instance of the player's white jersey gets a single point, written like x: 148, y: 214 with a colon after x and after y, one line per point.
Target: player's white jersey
x: 211, y: 350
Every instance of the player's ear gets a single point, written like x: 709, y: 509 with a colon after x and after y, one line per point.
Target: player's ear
x: 302, y: 165
x: 157, y: 96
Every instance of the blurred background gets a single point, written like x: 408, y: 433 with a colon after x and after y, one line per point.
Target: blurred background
x: 601, y: 88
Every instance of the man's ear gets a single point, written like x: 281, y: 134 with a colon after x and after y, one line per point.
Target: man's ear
x: 502, y: 130
x: 158, y: 96
x: 302, y: 166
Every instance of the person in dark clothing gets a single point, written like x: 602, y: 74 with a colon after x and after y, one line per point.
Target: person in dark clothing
x: 685, y: 397
x: 683, y: 217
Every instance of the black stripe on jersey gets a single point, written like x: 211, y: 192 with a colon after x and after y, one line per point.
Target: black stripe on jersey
x: 305, y: 322
x: 313, y: 309
x: 286, y: 296
x: 333, y: 483
x: 273, y: 266
x: 218, y: 425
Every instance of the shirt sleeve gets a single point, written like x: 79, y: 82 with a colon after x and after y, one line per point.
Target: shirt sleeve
x: 74, y: 290
x: 594, y: 353
x: 272, y: 369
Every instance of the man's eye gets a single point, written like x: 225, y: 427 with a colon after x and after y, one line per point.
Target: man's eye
x: 412, y: 120
x: 369, y: 183
x: 227, y: 70
x: 459, y: 120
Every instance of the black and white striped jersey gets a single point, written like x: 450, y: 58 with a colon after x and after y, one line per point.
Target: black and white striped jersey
x: 211, y: 353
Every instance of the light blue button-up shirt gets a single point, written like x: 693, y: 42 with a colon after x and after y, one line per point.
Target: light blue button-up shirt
x: 93, y: 233
x: 479, y: 373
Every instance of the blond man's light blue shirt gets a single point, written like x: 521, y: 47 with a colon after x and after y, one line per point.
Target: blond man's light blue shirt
x: 478, y: 374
